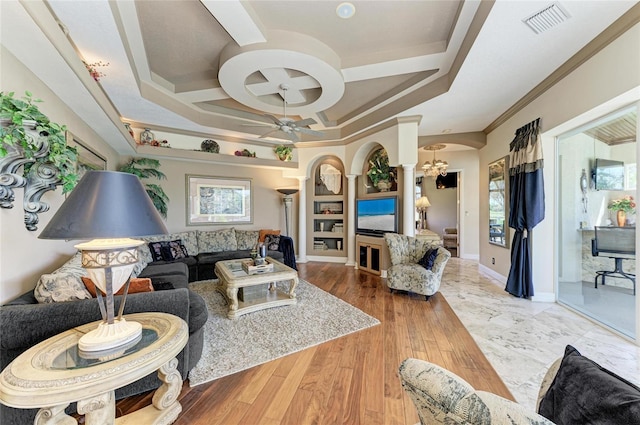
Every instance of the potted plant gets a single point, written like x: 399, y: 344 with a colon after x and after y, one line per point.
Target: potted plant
x: 146, y: 168
x: 381, y: 174
x: 24, y: 131
x: 284, y: 153
x: 622, y: 206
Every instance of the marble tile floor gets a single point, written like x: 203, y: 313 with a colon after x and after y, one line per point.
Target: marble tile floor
x: 521, y: 338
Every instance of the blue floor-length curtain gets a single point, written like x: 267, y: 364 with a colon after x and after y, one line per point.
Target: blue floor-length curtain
x: 526, y: 201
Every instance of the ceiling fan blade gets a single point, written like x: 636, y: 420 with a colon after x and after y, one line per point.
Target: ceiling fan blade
x: 274, y: 119
x: 268, y: 133
x: 258, y: 125
x: 309, y: 131
x: 305, y: 122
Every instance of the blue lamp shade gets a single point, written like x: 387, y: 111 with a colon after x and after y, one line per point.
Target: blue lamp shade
x: 106, y: 204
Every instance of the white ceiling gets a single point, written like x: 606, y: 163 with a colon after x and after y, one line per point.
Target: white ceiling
x: 215, y: 66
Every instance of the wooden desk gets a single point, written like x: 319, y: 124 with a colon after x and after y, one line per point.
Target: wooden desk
x: 53, y: 374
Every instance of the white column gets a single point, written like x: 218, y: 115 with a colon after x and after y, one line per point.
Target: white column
x: 301, y: 256
x: 287, y: 200
x: 409, y: 200
x: 351, y: 220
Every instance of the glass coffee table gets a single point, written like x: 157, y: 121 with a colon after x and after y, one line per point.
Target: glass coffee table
x: 269, y: 286
x: 54, y: 373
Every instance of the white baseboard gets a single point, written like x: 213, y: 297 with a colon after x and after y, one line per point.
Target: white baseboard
x: 492, y: 273
x: 540, y: 297
x: 327, y: 259
x: 544, y: 297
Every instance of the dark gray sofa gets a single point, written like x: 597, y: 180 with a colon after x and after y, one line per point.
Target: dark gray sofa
x: 206, y: 247
x: 25, y: 322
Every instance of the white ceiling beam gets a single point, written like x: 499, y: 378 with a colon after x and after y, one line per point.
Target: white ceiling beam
x: 236, y: 20
x: 396, y: 67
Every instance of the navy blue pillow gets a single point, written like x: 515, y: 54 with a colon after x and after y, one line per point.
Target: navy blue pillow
x: 429, y: 258
x: 583, y: 392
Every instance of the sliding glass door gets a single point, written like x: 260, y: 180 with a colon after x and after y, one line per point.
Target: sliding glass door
x: 596, y: 264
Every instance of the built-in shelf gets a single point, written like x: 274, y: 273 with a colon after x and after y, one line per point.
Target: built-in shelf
x: 326, y: 225
x: 212, y: 158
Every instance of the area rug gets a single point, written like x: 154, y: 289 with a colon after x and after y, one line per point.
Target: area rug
x: 231, y: 346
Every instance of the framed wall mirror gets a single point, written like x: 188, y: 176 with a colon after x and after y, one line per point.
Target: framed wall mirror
x: 499, y: 202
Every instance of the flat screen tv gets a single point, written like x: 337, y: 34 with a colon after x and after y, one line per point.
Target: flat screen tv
x: 448, y: 181
x: 377, y: 216
x: 608, y: 174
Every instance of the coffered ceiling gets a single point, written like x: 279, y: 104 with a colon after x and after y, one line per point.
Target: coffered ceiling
x: 217, y: 67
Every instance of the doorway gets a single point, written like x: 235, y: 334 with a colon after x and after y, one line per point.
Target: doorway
x: 597, y: 170
x: 443, y: 194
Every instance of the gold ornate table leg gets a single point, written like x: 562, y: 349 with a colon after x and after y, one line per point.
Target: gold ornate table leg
x: 54, y: 416
x: 99, y: 410
x: 292, y: 287
x: 232, y: 295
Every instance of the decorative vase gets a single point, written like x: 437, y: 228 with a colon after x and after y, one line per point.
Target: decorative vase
x: 129, y: 129
x: 210, y: 146
x: 383, y: 185
x: 622, y: 218
x: 146, y: 136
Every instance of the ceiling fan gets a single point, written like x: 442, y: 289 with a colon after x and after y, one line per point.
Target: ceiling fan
x: 288, y: 126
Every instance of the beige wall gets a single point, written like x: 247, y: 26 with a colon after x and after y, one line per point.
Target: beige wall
x: 24, y: 257
x: 268, y: 210
x: 606, y: 82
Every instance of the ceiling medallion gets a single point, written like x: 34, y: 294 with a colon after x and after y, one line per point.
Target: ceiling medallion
x: 309, y: 67
x: 437, y: 167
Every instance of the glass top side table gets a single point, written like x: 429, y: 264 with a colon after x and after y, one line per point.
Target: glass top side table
x: 53, y: 374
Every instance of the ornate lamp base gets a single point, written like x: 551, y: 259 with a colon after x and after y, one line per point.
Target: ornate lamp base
x: 109, y: 336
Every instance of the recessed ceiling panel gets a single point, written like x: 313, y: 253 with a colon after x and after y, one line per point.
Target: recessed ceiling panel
x: 182, y: 40
x: 357, y: 94
x: 377, y: 26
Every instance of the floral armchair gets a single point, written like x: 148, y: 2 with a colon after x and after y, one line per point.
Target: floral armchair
x: 405, y: 274
x: 441, y: 397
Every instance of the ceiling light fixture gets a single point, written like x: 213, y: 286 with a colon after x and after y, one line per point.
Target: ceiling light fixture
x: 437, y: 166
x: 345, y: 10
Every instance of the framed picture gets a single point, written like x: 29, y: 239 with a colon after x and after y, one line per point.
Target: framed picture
x: 88, y: 159
x: 218, y: 200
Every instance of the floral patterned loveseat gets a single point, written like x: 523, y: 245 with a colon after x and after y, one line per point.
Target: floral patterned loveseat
x: 405, y: 273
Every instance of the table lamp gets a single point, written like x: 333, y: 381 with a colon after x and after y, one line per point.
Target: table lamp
x: 107, y: 207
x: 421, y: 205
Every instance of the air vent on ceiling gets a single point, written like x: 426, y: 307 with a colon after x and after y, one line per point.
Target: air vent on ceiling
x: 547, y: 18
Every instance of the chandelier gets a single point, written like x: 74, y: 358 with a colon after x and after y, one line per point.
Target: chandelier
x: 437, y: 166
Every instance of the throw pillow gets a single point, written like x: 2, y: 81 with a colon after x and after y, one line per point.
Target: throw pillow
x: 272, y: 242
x: 173, y: 250
x: 137, y: 269
x: 217, y: 240
x: 162, y: 286
x: 138, y: 284
x: 60, y: 287
x: 247, y: 239
x: 265, y: 232
x: 168, y: 251
x: 584, y: 392
x: 429, y: 258
x: 156, y: 250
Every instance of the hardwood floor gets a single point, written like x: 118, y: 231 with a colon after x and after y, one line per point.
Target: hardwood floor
x: 349, y: 380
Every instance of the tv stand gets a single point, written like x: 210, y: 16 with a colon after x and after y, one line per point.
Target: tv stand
x: 372, y: 254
